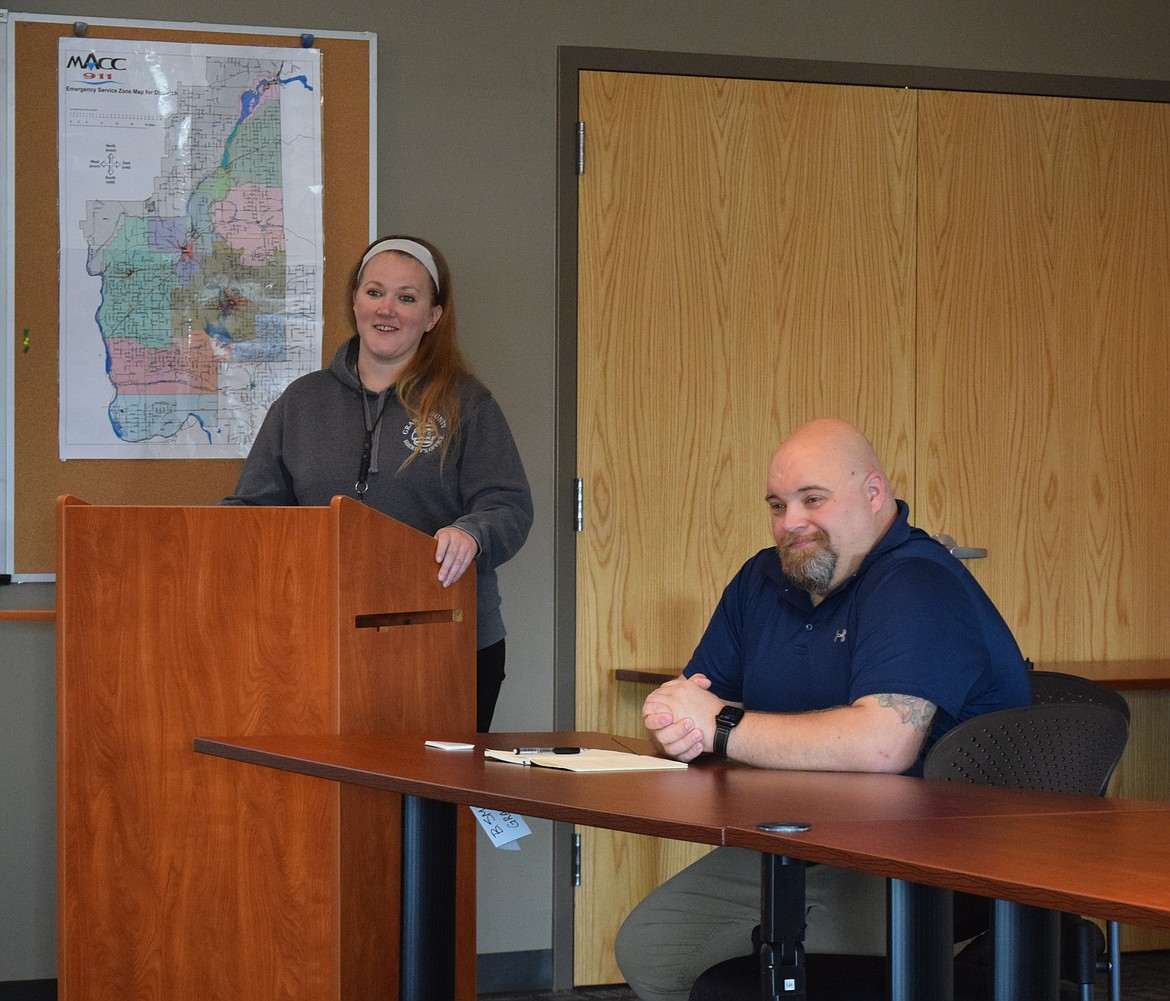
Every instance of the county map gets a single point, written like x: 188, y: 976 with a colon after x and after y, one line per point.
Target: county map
x: 208, y: 300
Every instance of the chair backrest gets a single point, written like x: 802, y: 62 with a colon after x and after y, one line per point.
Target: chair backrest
x: 1052, y: 686
x: 1059, y: 746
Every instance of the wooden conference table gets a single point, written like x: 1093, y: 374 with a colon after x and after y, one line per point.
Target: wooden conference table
x: 1103, y: 857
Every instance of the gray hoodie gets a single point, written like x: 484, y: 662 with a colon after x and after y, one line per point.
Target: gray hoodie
x: 309, y: 450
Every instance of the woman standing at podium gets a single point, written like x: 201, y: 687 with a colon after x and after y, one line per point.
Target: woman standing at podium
x: 399, y: 421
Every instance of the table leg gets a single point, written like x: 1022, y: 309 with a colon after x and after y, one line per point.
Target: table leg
x: 1027, y: 952
x: 427, y: 936
x: 1113, y: 930
x: 782, y: 968
x: 920, y: 942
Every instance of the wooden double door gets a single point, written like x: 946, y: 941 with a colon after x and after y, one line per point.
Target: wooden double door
x: 980, y: 281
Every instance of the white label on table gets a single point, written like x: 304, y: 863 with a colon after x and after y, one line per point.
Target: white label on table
x: 504, y: 829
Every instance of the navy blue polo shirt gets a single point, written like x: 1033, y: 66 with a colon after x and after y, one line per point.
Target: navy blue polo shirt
x: 912, y: 621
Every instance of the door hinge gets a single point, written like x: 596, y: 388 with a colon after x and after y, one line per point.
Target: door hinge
x: 576, y: 860
x: 580, y: 148
x: 578, y: 505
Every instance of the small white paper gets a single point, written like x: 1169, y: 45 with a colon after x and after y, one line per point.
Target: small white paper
x: 450, y: 745
x: 503, y: 829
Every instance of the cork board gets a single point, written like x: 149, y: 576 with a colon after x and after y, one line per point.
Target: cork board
x: 39, y: 476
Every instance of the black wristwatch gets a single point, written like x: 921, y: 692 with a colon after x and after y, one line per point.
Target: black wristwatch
x: 727, y: 720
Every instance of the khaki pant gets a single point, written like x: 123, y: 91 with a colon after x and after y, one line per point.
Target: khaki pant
x: 706, y: 914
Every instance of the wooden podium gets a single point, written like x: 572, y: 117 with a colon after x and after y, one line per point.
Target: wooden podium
x: 184, y: 876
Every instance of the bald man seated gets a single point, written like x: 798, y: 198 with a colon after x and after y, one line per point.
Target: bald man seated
x: 852, y: 645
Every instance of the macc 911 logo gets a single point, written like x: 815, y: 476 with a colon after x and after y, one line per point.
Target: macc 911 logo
x: 96, y: 68
x: 94, y: 62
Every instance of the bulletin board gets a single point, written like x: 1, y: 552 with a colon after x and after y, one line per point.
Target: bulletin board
x: 37, y: 475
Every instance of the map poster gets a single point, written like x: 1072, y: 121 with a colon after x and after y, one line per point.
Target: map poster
x: 191, y: 243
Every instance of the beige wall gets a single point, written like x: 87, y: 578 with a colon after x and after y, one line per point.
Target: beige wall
x: 466, y: 122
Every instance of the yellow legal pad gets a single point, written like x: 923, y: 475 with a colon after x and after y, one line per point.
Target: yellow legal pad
x: 589, y: 760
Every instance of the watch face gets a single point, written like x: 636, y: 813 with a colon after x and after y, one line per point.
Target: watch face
x: 729, y: 715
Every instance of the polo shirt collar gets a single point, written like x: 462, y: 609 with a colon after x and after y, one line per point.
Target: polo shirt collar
x: 896, y: 535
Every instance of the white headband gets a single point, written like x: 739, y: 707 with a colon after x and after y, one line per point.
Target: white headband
x: 416, y: 250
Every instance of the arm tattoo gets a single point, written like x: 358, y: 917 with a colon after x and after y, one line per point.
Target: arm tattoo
x: 917, y: 712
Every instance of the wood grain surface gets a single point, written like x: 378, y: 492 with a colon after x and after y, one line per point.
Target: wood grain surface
x: 186, y: 876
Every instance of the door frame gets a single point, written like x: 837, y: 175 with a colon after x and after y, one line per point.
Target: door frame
x: 571, y: 62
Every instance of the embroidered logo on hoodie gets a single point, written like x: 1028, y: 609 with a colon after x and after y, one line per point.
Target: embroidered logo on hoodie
x: 425, y: 439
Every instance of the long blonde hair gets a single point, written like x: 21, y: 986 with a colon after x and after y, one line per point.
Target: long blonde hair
x: 432, y: 380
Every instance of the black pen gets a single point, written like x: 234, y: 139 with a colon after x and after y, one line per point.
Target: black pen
x: 548, y: 750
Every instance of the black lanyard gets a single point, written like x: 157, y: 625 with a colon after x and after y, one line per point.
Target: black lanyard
x: 361, y: 486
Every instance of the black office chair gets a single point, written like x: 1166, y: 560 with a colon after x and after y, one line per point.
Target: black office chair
x: 1068, y: 747
x: 1053, y: 686
x: 1062, y: 746
x: 830, y: 978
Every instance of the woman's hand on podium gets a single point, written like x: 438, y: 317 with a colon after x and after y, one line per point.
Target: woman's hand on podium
x: 455, y: 552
